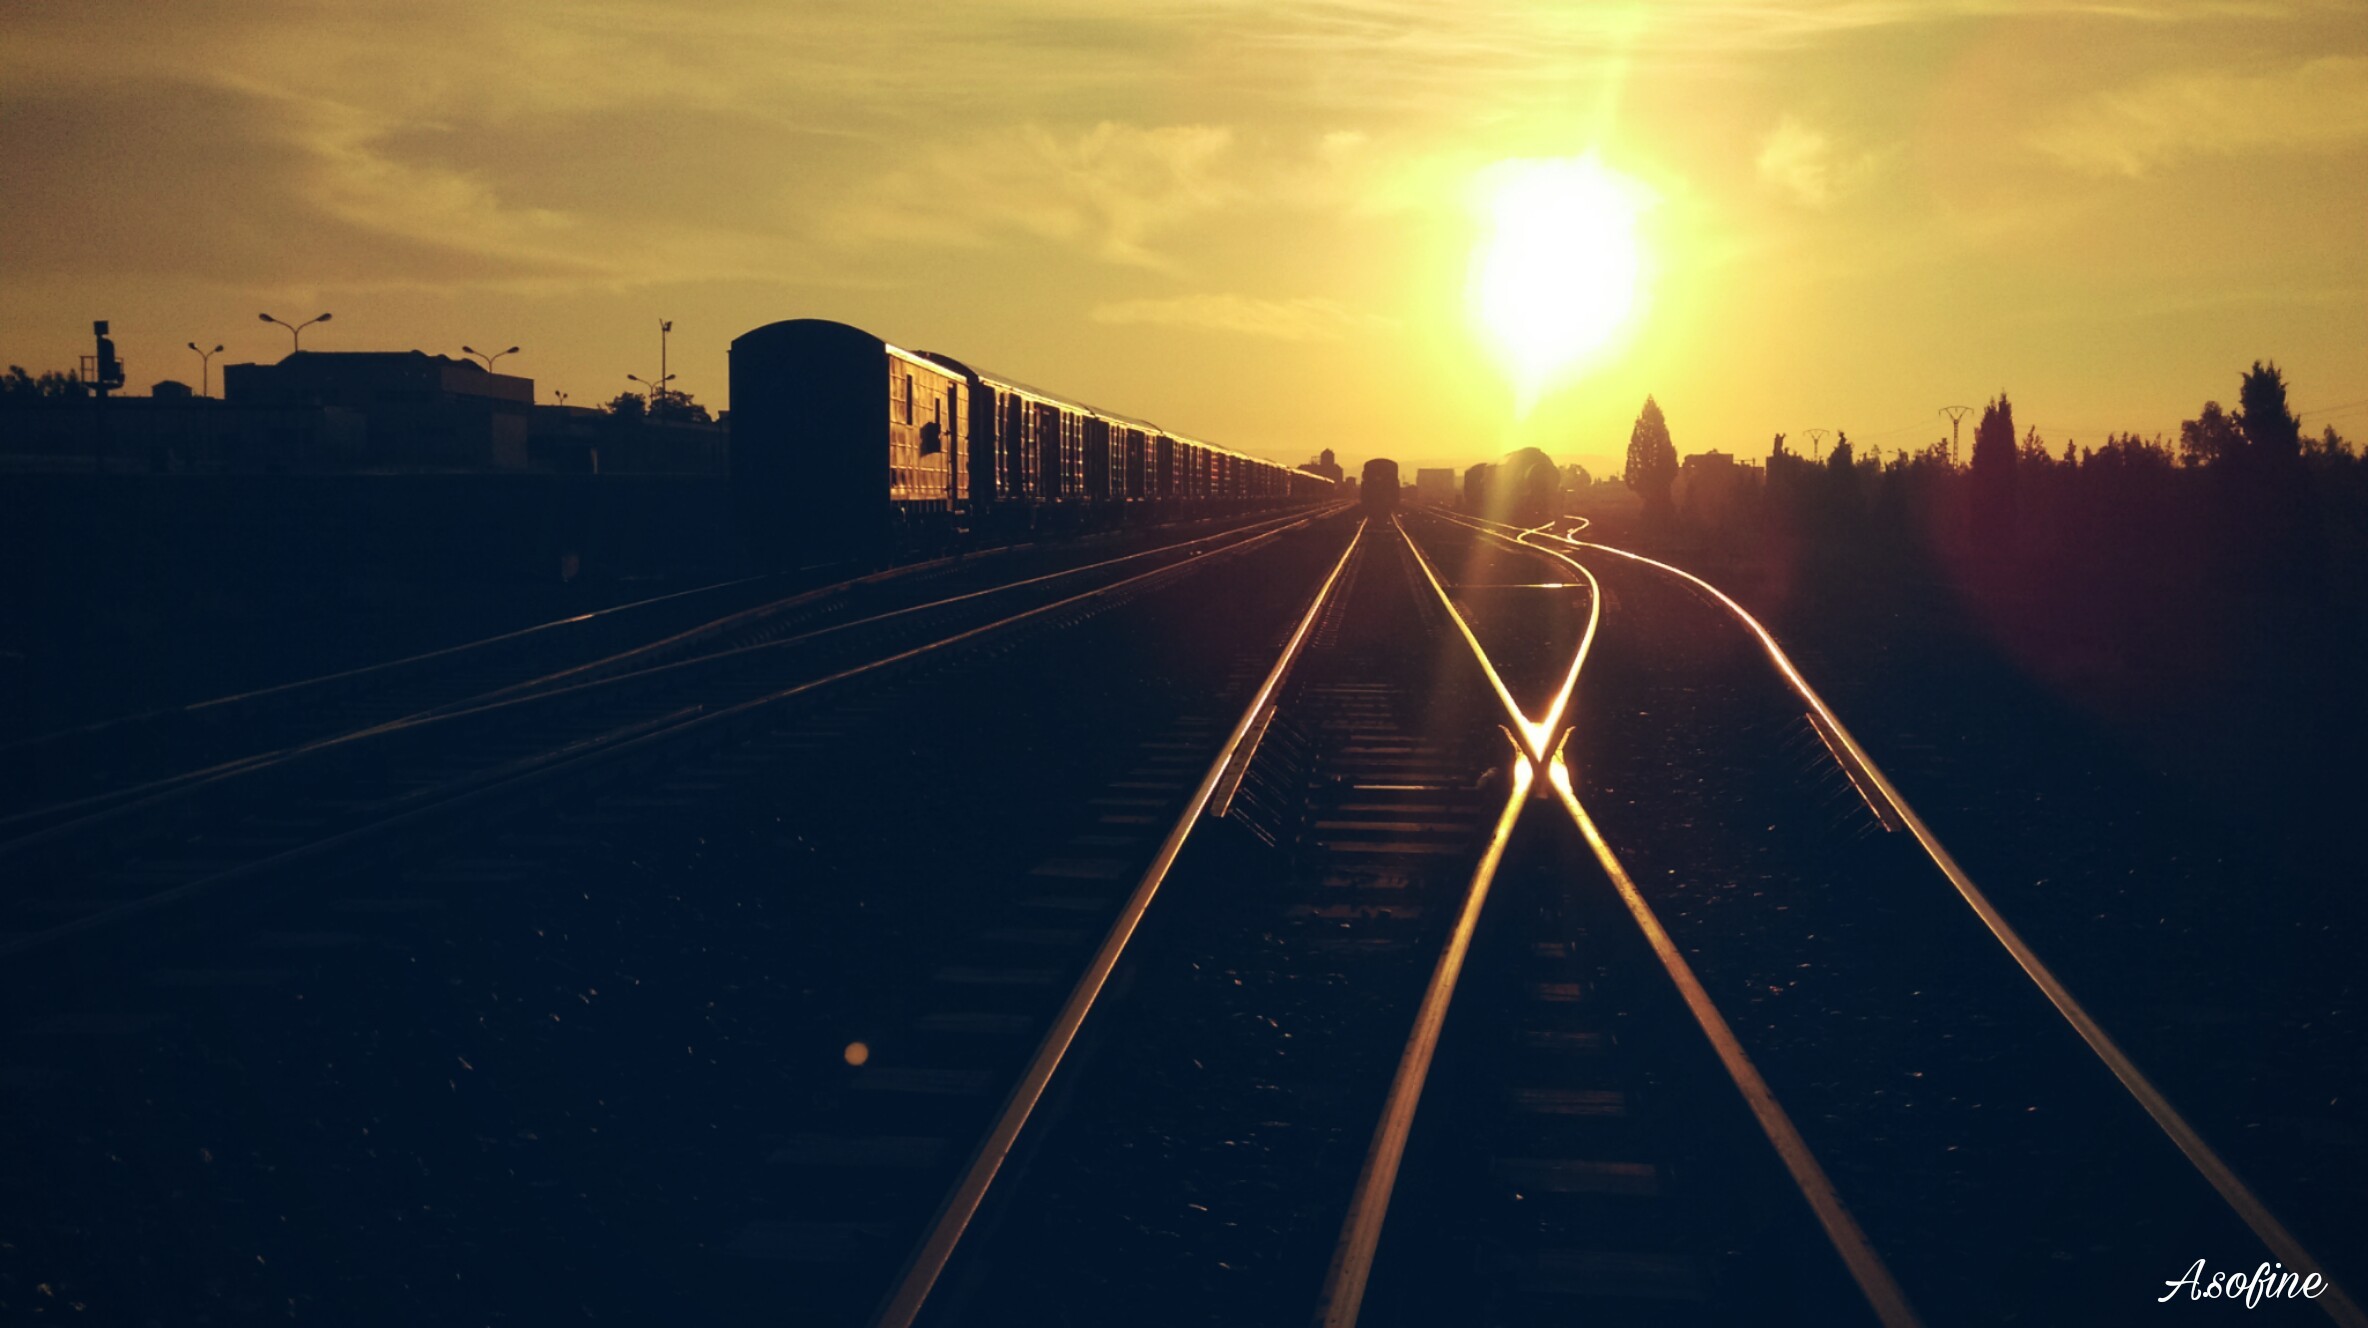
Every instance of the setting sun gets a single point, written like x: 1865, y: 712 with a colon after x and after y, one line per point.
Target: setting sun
x: 1558, y: 273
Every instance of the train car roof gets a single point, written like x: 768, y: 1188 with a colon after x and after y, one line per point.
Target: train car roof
x: 1008, y: 383
x: 915, y: 356
x: 1011, y: 384
x: 1224, y: 451
x: 830, y: 328
x: 1005, y: 382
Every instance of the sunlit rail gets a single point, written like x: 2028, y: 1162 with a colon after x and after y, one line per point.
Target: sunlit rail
x: 1369, y: 1204
x: 2207, y: 1162
x: 1537, y: 735
x: 904, y: 1302
x: 1866, y: 1267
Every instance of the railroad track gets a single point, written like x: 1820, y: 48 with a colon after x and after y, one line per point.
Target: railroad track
x: 1848, y: 843
x: 1403, y: 1040
x: 400, y: 1007
x: 65, y: 775
x: 1190, y: 1165
x: 1223, y: 1143
x: 267, y: 818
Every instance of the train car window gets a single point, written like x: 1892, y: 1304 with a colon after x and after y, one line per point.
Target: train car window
x: 932, y: 435
x: 908, y: 400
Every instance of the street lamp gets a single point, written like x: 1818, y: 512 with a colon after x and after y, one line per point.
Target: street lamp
x: 205, y: 368
x: 655, y: 388
x: 489, y: 359
x: 562, y: 397
x: 295, y: 330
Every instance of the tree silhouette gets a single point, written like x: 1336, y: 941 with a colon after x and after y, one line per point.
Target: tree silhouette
x: 629, y: 406
x: 2210, y: 438
x: 1652, y: 460
x: 676, y: 407
x: 1993, y: 470
x: 2272, y: 434
x: 2035, y: 453
x: 18, y: 384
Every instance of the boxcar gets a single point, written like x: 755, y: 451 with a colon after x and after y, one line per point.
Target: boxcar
x: 839, y: 439
x: 844, y: 445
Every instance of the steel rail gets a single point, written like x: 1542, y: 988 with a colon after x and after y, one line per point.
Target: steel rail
x: 144, y: 797
x: 1866, y: 1267
x: 1540, y: 736
x: 2223, y: 1178
x: 1875, y: 1282
x: 464, y: 647
x: 1533, y: 734
x: 414, y: 812
x: 927, y: 1263
x: 1351, y: 1269
x: 496, y: 700
x: 480, y: 786
x: 547, y: 681
x: 346, y: 675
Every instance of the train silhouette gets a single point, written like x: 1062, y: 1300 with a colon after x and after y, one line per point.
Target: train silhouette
x: 1378, y: 488
x: 844, y: 444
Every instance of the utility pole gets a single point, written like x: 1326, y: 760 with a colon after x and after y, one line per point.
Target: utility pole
x: 665, y: 328
x: 1817, y: 442
x: 106, y: 376
x: 1956, y: 416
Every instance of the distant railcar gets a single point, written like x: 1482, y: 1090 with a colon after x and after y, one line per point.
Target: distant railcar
x: 843, y: 444
x: 1377, y: 488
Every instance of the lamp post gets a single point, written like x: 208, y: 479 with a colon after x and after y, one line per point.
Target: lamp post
x: 205, y: 368
x: 665, y: 329
x: 295, y: 330
x: 488, y: 359
x: 561, y: 395
x: 655, y: 388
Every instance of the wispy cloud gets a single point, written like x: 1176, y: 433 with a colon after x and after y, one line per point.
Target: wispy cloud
x: 1805, y: 163
x: 1301, y: 319
x: 2315, y: 106
x: 1110, y: 190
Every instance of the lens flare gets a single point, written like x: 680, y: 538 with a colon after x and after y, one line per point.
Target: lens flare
x: 1559, y: 273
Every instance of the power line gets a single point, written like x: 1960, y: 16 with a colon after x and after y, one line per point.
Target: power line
x: 2329, y: 410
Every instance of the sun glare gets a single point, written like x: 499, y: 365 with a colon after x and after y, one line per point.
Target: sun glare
x: 1558, y: 274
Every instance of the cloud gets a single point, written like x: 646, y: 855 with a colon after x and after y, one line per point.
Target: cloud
x: 1804, y: 163
x: 1303, y: 319
x: 2317, y: 106
x: 1110, y: 190
x: 211, y: 184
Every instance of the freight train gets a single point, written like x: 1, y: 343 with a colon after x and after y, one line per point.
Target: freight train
x: 1378, y: 489
x: 844, y: 445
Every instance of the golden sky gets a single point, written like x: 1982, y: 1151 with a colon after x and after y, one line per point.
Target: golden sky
x: 1253, y: 220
